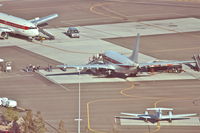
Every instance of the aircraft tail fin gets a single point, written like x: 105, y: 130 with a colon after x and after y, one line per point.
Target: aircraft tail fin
x: 134, y: 56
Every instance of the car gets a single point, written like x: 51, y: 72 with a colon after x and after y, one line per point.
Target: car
x: 73, y: 32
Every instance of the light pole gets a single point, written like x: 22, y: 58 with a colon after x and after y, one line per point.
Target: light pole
x: 79, y: 102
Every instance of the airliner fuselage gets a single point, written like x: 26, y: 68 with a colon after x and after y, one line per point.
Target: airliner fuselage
x: 18, y: 25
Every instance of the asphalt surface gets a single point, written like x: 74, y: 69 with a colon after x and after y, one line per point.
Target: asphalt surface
x: 100, y: 102
x: 180, y: 46
x: 88, y: 12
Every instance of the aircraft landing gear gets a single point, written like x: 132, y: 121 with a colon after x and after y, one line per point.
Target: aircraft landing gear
x: 109, y: 73
x: 30, y: 39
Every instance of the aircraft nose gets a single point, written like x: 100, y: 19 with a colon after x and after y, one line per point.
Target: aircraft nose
x: 37, y: 31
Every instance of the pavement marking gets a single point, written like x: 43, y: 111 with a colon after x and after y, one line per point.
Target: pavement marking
x: 100, y: 100
x: 157, y: 128
x: 102, y: 5
x: 132, y: 86
x: 160, y: 99
x: 92, y: 9
x: 121, y: 16
x: 104, y: 100
x: 168, y: 99
x: 129, y: 88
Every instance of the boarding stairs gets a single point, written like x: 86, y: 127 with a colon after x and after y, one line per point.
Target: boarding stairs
x: 47, y: 33
x: 197, y: 60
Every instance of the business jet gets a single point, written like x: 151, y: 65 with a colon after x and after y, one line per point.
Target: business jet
x: 158, y: 116
x: 115, y: 63
x: 16, y: 25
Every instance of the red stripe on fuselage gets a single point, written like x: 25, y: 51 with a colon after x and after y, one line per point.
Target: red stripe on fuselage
x: 14, y: 25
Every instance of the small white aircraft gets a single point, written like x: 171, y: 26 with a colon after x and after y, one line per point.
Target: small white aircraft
x: 158, y: 116
x: 16, y: 25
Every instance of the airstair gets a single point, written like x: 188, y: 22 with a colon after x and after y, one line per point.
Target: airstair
x: 197, y: 60
x: 48, y: 34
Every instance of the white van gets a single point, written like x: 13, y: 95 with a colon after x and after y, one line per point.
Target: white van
x: 72, y: 32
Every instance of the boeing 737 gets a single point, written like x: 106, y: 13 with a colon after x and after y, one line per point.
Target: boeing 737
x: 113, y: 62
x: 158, y: 116
x: 16, y: 25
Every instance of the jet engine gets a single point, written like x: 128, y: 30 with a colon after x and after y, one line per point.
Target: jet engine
x: 170, y: 116
x: 3, y: 35
x: 146, y: 113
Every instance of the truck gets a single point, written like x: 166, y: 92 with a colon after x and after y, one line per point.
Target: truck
x: 170, y: 68
x: 5, y: 102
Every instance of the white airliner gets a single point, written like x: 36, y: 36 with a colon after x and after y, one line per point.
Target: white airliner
x: 116, y: 63
x: 158, y: 116
x: 16, y: 25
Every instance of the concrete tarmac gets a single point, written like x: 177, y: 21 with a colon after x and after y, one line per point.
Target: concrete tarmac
x: 100, y: 102
x: 187, y: 122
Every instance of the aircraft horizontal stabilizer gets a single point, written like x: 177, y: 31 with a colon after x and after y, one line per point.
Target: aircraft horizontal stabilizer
x: 42, y: 20
x: 128, y: 117
x: 170, y: 109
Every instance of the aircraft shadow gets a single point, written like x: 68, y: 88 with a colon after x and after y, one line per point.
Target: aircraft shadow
x: 89, y: 73
x: 19, y: 36
x: 63, y: 74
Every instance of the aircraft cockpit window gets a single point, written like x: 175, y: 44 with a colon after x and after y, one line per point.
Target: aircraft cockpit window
x: 32, y: 27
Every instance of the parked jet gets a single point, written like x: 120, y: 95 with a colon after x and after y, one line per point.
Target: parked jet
x: 158, y: 116
x: 16, y: 25
x: 114, y: 62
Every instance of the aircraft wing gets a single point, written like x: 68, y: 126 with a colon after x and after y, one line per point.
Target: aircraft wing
x: 88, y: 66
x: 156, y: 109
x: 42, y: 20
x: 128, y: 117
x: 137, y: 115
x: 131, y: 114
x: 166, y: 63
x: 177, y: 116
